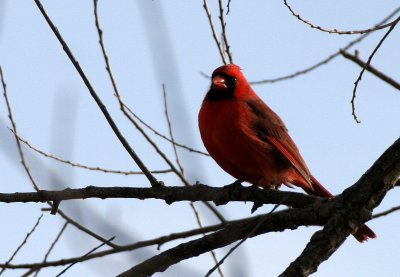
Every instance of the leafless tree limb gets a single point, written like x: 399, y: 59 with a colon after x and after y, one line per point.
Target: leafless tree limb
x: 355, y: 207
x: 22, y: 244
x: 170, y: 194
x: 48, y: 251
x: 214, y: 33
x: 384, y: 213
x: 279, y: 221
x: 223, y: 31
x: 153, y: 181
x: 371, y: 69
x: 93, y: 168
x: 353, y: 108
x: 157, y: 241
x: 327, y: 59
x: 335, y: 31
x: 88, y: 253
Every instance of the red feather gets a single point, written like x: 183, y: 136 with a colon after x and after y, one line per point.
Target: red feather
x: 250, y: 141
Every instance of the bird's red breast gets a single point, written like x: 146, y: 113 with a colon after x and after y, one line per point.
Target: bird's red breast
x: 250, y: 141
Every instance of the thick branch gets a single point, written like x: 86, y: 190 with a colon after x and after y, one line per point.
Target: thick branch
x: 219, y: 196
x: 288, y: 219
x: 356, y: 205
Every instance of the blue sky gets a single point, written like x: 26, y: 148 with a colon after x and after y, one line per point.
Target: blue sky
x: 153, y: 42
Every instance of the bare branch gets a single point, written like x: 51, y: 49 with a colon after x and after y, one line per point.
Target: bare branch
x: 153, y: 181
x: 86, y: 230
x: 14, y: 128
x: 326, y: 60
x: 276, y: 222
x: 157, y: 241
x: 22, y: 244
x: 88, y: 253
x: 170, y: 194
x: 335, y: 31
x: 161, y: 135
x: 355, y: 207
x: 353, y: 108
x: 384, y: 213
x: 49, y: 250
x: 75, y: 164
x: 214, y: 33
x: 371, y: 69
x: 223, y: 28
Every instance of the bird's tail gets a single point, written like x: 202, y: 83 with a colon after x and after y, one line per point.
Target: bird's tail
x: 363, y: 233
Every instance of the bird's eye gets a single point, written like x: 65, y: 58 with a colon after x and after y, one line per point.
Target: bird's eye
x: 234, y: 80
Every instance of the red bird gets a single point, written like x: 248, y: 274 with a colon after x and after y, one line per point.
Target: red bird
x: 250, y: 141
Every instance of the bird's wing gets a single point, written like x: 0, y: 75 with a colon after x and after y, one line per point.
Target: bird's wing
x: 269, y: 128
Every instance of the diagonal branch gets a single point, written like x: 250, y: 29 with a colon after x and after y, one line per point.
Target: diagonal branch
x: 335, y: 31
x: 371, y: 69
x: 355, y: 207
x: 327, y: 59
x: 153, y: 181
x: 276, y: 222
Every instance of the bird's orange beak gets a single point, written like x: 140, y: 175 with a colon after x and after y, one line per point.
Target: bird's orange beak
x: 219, y: 83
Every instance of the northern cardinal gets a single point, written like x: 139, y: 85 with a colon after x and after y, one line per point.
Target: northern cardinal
x: 250, y: 141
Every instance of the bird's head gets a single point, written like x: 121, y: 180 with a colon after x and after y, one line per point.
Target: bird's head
x: 227, y: 82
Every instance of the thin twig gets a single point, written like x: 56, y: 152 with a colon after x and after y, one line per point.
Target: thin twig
x: 161, y: 135
x: 228, y: 6
x: 86, y: 230
x: 171, y: 135
x: 88, y: 253
x: 371, y: 69
x: 75, y: 164
x: 157, y: 241
x: 353, y: 108
x: 326, y: 60
x: 391, y: 210
x: 14, y: 128
x: 153, y: 181
x: 335, y: 31
x: 223, y: 31
x: 49, y: 250
x: 214, y: 33
x: 22, y: 244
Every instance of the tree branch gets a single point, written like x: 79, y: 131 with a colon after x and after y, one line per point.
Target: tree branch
x: 153, y: 181
x: 279, y: 221
x: 355, y: 206
x: 219, y: 196
x: 371, y: 69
